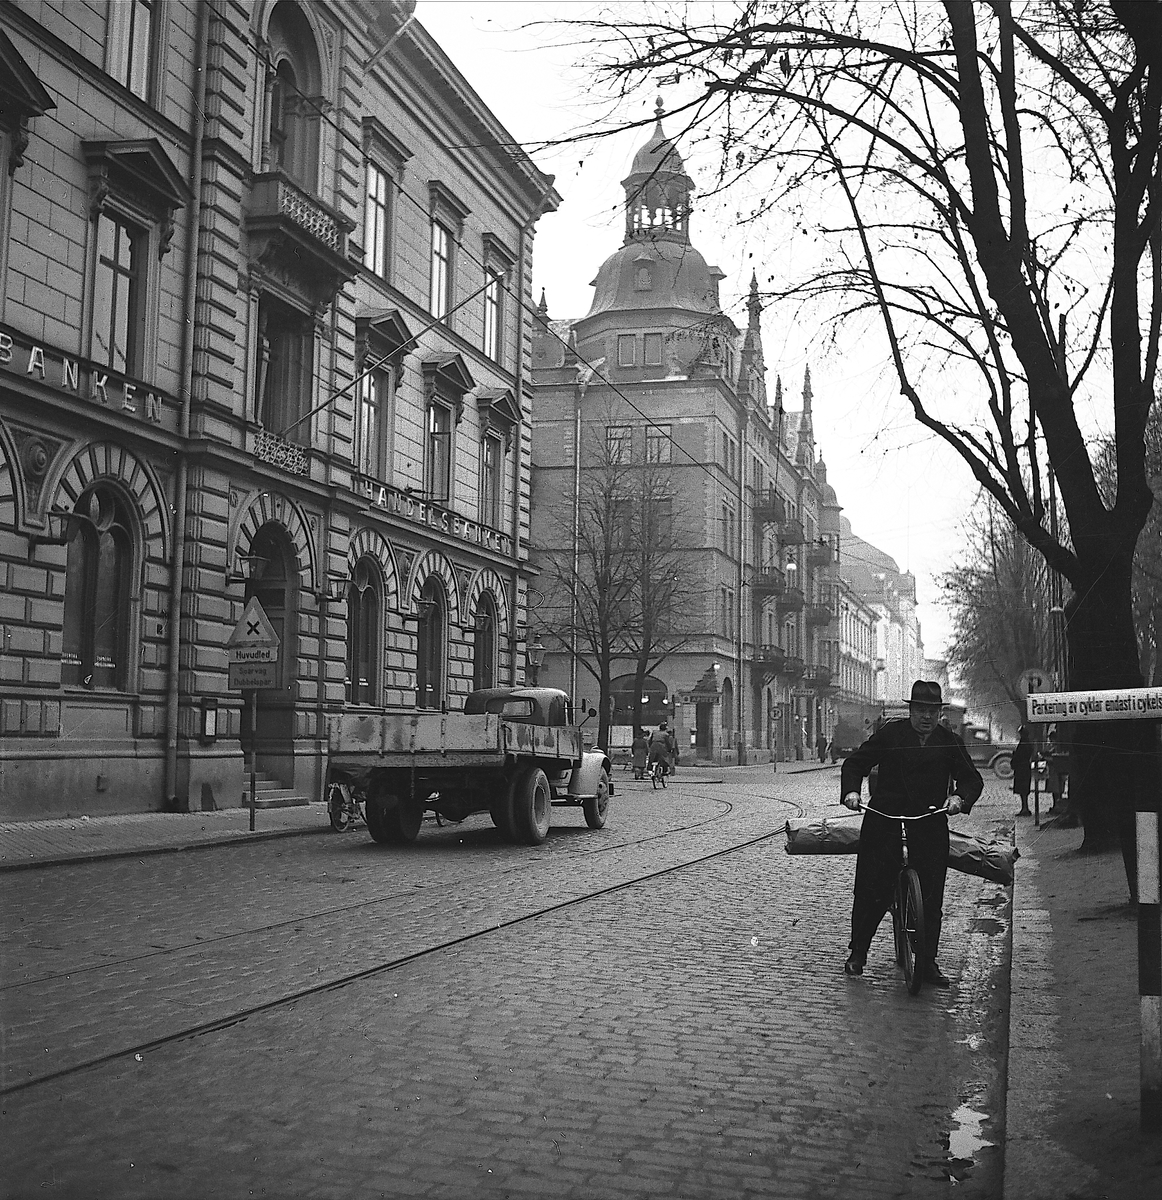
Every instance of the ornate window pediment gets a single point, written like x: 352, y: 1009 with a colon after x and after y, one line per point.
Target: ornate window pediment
x: 382, y: 333
x: 499, y: 412
x: 139, y: 174
x: 447, y: 375
x: 22, y: 96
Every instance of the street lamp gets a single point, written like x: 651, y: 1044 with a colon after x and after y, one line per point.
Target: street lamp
x: 535, y: 656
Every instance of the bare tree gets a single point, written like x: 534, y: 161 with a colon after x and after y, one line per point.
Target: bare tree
x: 632, y: 595
x: 665, y: 608
x: 999, y: 594
x: 983, y: 185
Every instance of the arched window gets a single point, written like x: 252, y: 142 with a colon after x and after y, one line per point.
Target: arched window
x: 484, y: 653
x: 430, y: 645
x: 363, y: 626
x: 95, y: 650
x: 294, y: 89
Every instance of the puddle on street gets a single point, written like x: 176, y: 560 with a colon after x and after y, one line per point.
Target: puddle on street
x: 965, y: 1141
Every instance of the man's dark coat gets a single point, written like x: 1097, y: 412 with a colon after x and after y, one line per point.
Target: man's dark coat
x: 912, y: 778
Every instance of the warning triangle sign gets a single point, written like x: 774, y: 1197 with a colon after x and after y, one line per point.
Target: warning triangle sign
x: 254, y: 629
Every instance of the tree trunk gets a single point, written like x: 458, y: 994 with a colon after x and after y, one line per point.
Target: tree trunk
x: 1113, y: 762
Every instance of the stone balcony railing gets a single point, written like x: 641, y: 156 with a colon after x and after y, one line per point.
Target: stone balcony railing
x: 817, y: 677
x: 769, y: 507
x: 792, y: 533
x: 792, y: 600
x: 767, y: 581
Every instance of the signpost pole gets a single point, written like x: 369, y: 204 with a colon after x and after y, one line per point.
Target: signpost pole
x: 1124, y: 704
x: 253, y: 754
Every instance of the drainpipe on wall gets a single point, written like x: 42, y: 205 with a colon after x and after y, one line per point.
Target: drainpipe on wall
x: 525, y: 320
x: 181, y: 479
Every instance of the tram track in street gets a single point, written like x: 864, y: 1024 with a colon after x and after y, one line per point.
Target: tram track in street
x: 216, y: 1024
x: 365, y: 902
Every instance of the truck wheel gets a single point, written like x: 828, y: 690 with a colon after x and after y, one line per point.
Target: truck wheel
x: 393, y: 824
x: 596, y: 807
x: 532, y: 802
x: 1003, y: 766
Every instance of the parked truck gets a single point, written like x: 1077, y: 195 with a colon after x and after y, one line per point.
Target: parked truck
x: 514, y: 753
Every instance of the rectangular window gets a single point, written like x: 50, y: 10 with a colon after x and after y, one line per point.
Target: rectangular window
x: 653, y: 350
x: 441, y: 281
x: 493, y: 316
x: 119, y: 295
x: 491, y: 481
x: 131, y: 44
x: 371, y: 424
x: 619, y: 443
x: 376, y: 221
x: 729, y: 528
x: 726, y: 602
x: 286, y: 347
x: 439, y: 452
x: 660, y: 524
x: 658, y: 443
x: 626, y: 350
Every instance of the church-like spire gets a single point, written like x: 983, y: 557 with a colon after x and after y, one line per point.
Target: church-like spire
x: 754, y: 306
x: 805, y: 449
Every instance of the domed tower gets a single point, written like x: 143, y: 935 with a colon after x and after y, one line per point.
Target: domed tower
x: 657, y: 277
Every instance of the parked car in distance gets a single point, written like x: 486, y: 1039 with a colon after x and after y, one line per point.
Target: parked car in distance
x: 985, y: 753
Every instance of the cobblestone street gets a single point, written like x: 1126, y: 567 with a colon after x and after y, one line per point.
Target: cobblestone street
x: 656, y: 1008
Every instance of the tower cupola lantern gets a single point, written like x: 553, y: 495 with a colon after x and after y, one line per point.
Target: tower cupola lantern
x: 657, y: 190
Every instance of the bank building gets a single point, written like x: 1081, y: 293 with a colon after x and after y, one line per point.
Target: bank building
x: 264, y: 332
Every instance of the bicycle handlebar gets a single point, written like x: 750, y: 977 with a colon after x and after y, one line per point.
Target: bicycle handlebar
x: 932, y: 812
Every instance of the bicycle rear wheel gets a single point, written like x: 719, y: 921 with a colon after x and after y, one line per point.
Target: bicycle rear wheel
x: 911, y: 905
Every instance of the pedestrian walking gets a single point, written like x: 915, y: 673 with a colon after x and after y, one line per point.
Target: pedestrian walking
x: 1023, y: 770
x: 917, y: 758
x: 639, y: 747
x: 821, y: 747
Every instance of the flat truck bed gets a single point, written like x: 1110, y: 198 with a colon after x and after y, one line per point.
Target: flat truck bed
x: 514, y: 760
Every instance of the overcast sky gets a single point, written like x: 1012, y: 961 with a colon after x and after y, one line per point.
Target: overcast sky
x: 902, y: 489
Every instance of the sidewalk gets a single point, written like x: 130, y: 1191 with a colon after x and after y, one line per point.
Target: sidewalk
x: 56, y: 841
x: 1073, y: 1091
x: 62, y: 840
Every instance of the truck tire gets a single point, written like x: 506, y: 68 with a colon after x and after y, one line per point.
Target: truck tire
x: 532, y: 803
x: 392, y: 824
x: 1003, y: 766
x: 596, y: 807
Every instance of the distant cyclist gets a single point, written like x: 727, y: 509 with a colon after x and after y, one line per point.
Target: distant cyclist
x: 663, y: 748
x: 917, y: 759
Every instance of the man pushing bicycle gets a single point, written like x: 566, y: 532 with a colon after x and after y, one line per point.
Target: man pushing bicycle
x: 917, y: 759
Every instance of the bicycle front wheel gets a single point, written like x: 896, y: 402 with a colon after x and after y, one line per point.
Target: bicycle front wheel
x: 911, y: 906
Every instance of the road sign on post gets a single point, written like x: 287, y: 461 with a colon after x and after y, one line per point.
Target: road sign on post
x: 252, y: 663
x: 1035, y: 679
x: 1130, y: 704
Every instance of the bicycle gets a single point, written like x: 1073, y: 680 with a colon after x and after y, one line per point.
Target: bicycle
x: 658, y: 773
x: 908, y: 907
x: 344, y: 806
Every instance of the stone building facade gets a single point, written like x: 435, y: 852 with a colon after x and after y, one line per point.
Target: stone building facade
x: 657, y: 384
x: 264, y: 269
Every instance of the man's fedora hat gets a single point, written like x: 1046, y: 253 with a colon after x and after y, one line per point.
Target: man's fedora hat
x: 925, y: 691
